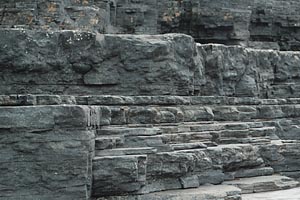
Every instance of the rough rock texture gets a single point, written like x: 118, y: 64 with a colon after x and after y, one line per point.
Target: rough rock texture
x: 198, y: 149
x: 263, y: 184
x: 221, y: 192
x: 261, y: 24
x: 272, y: 24
x: 86, y: 115
x: 72, y: 62
x: 283, y: 157
x: 173, y: 148
x: 46, y: 152
x: 167, y: 144
x: 238, y: 71
x: 54, y: 14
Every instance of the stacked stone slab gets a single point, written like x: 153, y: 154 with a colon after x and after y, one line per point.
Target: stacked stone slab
x: 46, y: 152
x: 91, y: 116
x: 270, y: 24
x: 171, y: 64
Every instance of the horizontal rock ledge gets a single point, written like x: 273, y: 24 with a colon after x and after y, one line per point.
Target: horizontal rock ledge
x: 84, y: 63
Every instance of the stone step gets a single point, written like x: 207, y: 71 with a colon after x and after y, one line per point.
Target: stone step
x: 257, y: 135
x: 290, y: 194
x: 162, y: 115
x: 119, y: 100
x: 247, y: 173
x: 173, y: 142
x: 132, y: 141
x: 210, y: 126
x: 195, y: 145
x: 263, y: 183
x: 188, y: 168
x: 118, y: 174
x: 124, y: 131
x: 126, y: 151
x: 188, y: 137
x: 249, y: 140
x: 254, y: 128
x: 209, y: 192
x: 183, y: 137
x: 180, y: 100
x: 108, y: 142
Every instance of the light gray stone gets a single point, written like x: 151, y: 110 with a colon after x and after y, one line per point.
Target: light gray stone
x: 263, y: 184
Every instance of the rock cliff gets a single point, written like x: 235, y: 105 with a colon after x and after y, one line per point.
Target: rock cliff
x: 270, y: 24
x: 86, y: 115
x: 101, y: 100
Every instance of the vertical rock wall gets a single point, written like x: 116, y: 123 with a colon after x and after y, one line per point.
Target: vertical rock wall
x: 73, y: 62
x: 54, y: 14
x: 260, y: 24
x: 46, y: 152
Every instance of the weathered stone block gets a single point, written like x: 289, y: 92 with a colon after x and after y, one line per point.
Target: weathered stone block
x: 118, y: 174
x: 46, y: 152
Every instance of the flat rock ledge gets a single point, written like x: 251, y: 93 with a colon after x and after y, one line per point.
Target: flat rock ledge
x: 210, y: 192
x: 263, y: 183
x: 292, y: 194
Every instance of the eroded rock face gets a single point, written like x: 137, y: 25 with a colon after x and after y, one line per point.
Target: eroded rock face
x: 55, y: 15
x: 238, y: 71
x: 255, y: 23
x: 46, y: 152
x: 161, y: 112
x: 84, y: 63
x: 73, y: 62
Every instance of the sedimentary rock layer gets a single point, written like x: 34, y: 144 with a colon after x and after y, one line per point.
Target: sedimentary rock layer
x: 258, y: 23
x: 147, y: 144
x: 46, y: 152
x: 72, y: 62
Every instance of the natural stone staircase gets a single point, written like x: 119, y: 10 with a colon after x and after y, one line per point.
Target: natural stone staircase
x: 216, y: 121
x: 181, y: 155
x: 154, y: 147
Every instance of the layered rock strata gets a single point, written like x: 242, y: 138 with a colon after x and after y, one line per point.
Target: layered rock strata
x: 91, y: 116
x: 46, y: 152
x: 73, y: 62
x: 271, y: 24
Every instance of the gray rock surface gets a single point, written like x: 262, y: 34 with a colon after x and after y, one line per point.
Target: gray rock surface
x: 282, y: 156
x: 261, y: 24
x: 72, y: 62
x: 263, y: 184
x: 118, y: 174
x: 88, y: 115
x: 46, y: 152
x: 197, y: 150
x: 292, y: 194
x: 238, y: 71
x: 220, y: 192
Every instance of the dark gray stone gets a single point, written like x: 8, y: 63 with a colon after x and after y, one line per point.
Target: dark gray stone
x: 43, y: 63
x: 271, y: 24
x: 118, y: 174
x: 46, y: 152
